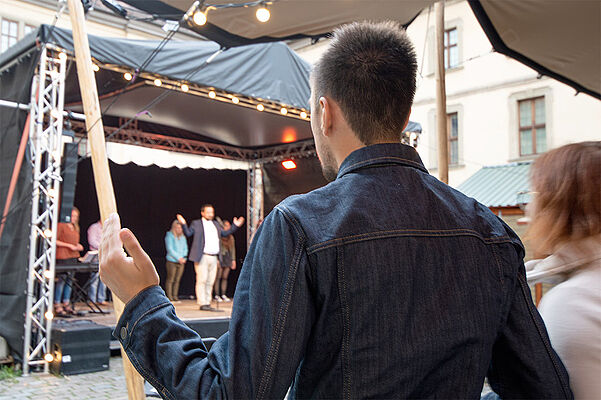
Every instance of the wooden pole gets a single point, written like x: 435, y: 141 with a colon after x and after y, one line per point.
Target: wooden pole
x: 100, y: 166
x: 441, y: 97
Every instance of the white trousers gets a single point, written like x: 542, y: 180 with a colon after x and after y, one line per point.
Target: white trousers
x: 206, y: 270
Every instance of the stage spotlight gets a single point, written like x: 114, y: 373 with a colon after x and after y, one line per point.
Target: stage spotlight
x: 95, y: 67
x: 289, y: 164
x: 157, y: 82
x: 303, y: 115
x: 127, y: 76
x: 263, y: 14
x: 185, y: 87
x: 283, y: 111
x: 235, y: 100
x: 212, y: 94
x: 200, y: 18
x: 260, y: 107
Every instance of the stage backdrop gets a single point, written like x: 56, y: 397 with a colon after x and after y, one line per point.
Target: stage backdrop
x: 148, y: 198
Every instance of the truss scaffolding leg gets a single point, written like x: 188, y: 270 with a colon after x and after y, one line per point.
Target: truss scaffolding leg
x: 254, y: 200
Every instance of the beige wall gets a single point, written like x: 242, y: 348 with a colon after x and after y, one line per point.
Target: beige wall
x: 484, y: 90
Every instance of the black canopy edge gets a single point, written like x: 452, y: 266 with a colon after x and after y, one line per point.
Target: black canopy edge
x: 502, y: 48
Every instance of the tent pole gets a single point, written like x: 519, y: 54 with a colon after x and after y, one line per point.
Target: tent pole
x: 102, y: 176
x: 441, y: 97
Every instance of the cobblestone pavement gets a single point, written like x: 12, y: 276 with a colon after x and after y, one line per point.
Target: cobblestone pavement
x: 108, y: 384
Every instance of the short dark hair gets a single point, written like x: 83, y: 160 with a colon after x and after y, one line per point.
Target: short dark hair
x: 202, y: 208
x: 369, y: 70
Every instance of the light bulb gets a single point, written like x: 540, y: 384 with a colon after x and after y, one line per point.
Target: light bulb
x: 95, y: 67
x: 263, y: 14
x: 127, y: 76
x: 157, y: 82
x: 212, y: 94
x: 48, y: 357
x: 260, y: 107
x: 235, y: 100
x: 49, y: 315
x: 185, y: 87
x: 303, y: 115
x: 283, y: 111
x: 199, y: 18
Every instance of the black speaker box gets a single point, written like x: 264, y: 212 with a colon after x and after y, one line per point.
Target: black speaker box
x: 69, y: 175
x: 79, y: 347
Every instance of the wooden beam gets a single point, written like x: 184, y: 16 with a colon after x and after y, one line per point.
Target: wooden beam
x: 441, y: 97
x: 102, y: 175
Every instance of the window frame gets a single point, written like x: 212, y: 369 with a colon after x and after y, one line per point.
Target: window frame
x: 9, y: 21
x: 448, y: 46
x: 450, y: 138
x: 533, y: 125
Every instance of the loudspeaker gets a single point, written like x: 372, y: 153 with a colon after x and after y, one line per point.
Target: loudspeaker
x: 79, y: 347
x: 209, y: 329
x: 69, y: 175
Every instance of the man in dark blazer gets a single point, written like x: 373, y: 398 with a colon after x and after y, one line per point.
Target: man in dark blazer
x: 205, y: 250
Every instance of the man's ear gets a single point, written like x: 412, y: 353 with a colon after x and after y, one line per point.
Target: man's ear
x: 326, y: 116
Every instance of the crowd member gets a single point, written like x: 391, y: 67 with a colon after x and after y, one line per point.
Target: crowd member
x: 566, y: 223
x: 205, y: 251
x: 345, y: 292
x: 177, y: 251
x: 67, y: 252
x: 227, y: 261
x: 96, y: 288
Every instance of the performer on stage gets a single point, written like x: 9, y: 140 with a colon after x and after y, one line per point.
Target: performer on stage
x: 205, y: 250
x: 227, y: 261
x: 177, y: 251
x: 67, y: 252
x: 97, y: 288
x: 345, y: 291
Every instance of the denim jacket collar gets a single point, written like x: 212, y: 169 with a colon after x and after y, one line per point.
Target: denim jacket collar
x: 384, y: 153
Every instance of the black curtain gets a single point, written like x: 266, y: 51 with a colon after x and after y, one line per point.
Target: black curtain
x: 279, y: 183
x: 15, y: 85
x: 148, y: 198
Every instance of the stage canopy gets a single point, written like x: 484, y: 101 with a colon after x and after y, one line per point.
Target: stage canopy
x: 557, y: 38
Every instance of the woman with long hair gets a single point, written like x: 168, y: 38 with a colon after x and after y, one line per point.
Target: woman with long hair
x: 177, y: 251
x: 227, y: 261
x: 566, y: 226
x: 67, y: 252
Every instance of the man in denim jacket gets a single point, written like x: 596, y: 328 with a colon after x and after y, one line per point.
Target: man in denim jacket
x: 386, y: 283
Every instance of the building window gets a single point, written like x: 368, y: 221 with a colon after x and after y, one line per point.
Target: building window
x: 10, y: 32
x: 533, y: 132
x: 451, y: 48
x: 453, y: 132
x: 28, y: 28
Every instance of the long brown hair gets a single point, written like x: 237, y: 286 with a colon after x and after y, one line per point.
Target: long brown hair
x: 567, y: 205
x: 76, y: 224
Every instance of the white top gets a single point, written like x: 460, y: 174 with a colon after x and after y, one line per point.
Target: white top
x: 572, y: 311
x: 211, y: 237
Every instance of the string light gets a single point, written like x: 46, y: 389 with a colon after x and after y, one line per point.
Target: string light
x: 95, y: 67
x: 260, y: 107
x: 49, y: 315
x: 303, y: 115
x: 127, y: 76
x: 263, y: 14
x: 157, y: 82
x: 212, y: 94
x: 184, y: 87
x: 48, y: 357
x: 235, y: 100
x: 200, y: 18
x: 283, y: 111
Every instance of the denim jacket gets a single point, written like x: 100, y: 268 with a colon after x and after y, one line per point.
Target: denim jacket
x: 386, y: 283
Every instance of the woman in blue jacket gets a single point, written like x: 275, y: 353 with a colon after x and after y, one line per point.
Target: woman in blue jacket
x: 177, y: 250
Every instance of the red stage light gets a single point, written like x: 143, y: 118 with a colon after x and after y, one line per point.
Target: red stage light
x: 289, y: 164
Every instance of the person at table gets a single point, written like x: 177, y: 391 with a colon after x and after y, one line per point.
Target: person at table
x: 67, y: 252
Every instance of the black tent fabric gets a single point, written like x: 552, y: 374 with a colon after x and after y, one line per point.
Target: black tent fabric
x: 14, y: 243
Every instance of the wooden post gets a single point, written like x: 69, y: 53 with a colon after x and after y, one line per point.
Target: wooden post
x: 441, y: 97
x: 102, y: 175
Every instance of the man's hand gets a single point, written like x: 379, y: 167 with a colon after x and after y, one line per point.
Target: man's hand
x: 239, y: 221
x: 181, y: 219
x: 125, y: 276
x: 233, y: 264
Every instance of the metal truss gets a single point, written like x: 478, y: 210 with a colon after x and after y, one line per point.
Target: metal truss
x: 45, y: 143
x: 254, y: 200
